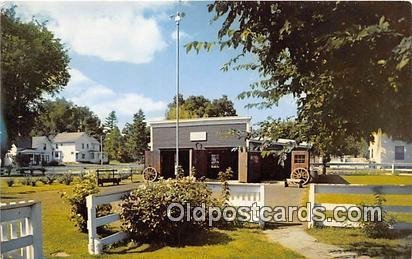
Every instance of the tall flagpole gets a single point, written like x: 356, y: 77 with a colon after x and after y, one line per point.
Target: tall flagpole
x: 177, y: 20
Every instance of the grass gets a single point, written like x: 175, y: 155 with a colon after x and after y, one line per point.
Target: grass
x: 61, y: 237
x: 378, y: 179
x: 354, y: 239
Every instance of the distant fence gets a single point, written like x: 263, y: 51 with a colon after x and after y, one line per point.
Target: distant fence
x: 21, y: 230
x: 315, y: 189
x: 240, y: 195
x: 368, y: 166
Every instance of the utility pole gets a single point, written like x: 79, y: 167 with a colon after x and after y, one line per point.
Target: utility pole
x: 177, y: 17
x: 101, y: 150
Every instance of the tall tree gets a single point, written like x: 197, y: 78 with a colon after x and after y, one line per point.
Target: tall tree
x: 111, y: 121
x: 348, y: 64
x: 199, y: 107
x: 60, y: 115
x: 136, y: 138
x: 113, y: 144
x: 33, y: 64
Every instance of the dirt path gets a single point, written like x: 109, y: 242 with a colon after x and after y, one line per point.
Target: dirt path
x: 295, y: 238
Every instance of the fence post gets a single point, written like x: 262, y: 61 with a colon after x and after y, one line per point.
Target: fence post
x: 91, y: 224
x: 262, y: 204
x: 37, y: 230
x: 312, y: 191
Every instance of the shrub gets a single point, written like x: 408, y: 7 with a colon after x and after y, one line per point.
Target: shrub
x: 66, y: 178
x: 144, y: 211
x: 10, y: 182
x: 28, y: 180
x: 77, y: 201
x: 47, y: 179
x: 223, y: 177
x: 375, y: 228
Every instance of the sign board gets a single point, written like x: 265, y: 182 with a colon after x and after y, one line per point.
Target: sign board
x: 198, y: 136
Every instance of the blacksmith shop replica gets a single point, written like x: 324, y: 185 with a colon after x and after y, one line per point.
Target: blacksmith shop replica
x: 209, y: 146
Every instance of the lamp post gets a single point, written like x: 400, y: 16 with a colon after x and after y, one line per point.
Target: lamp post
x: 177, y: 17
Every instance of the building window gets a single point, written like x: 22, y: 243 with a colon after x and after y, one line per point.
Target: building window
x: 92, y: 155
x: 56, y: 154
x: 399, y: 153
x: 82, y: 145
x: 299, y: 159
x: 87, y: 145
x: 44, y: 147
x: 83, y: 156
x: 214, y: 161
x: 57, y: 146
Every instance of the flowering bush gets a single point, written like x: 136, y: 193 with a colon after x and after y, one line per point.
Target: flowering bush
x: 77, y: 201
x: 144, y: 211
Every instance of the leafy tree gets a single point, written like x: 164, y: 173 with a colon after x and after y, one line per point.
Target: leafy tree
x: 347, y: 63
x: 111, y: 121
x: 33, y: 64
x: 60, y: 115
x: 113, y: 145
x: 136, y: 137
x: 221, y: 107
x: 275, y: 129
x: 199, y: 107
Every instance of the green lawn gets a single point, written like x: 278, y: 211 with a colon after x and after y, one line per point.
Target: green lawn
x: 352, y: 238
x: 60, y: 235
x: 378, y: 179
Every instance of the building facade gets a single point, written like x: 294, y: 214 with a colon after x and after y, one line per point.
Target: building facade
x: 387, y: 150
x: 78, y: 147
x: 206, y: 144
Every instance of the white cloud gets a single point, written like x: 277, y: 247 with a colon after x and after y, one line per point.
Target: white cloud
x: 182, y: 35
x: 112, y: 31
x: 102, y: 100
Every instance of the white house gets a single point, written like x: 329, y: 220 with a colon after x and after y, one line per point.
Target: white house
x: 78, y: 147
x: 44, y: 145
x: 387, y: 150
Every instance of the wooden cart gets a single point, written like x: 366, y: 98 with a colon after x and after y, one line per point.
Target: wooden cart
x: 300, y: 172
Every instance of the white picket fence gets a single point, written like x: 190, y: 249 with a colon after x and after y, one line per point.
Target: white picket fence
x: 241, y: 194
x: 92, y: 201
x: 356, y: 189
x: 21, y: 230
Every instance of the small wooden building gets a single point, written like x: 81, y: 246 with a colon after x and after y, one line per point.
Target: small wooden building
x: 209, y: 145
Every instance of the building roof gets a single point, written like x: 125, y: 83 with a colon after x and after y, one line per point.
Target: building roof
x: 68, y: 137
x: 202, y: 121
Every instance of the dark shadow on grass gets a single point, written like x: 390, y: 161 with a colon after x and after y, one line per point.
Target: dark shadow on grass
x: 275, y: 225
x: 212, y: 237
x: 332, y: 179
x: 6, y: 197
x: 374, y: 249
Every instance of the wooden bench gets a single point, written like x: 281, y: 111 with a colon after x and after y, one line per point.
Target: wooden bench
x: 294, y: 182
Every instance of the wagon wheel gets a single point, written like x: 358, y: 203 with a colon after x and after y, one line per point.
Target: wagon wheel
x: 301, y: 173
x: 150, y: 174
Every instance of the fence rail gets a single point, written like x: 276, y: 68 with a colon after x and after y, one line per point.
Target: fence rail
x: 240, y: 195
x: 92, y: 201
x: 394, y: 166
x: 315, y: 189
x: 21, y: 230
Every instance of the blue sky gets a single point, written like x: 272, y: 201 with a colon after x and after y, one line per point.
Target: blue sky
x: 123, y: 57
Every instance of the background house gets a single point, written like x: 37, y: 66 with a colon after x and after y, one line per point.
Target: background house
x: 387, y: 150
x: 44, y: 145
x: 78, y: 147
